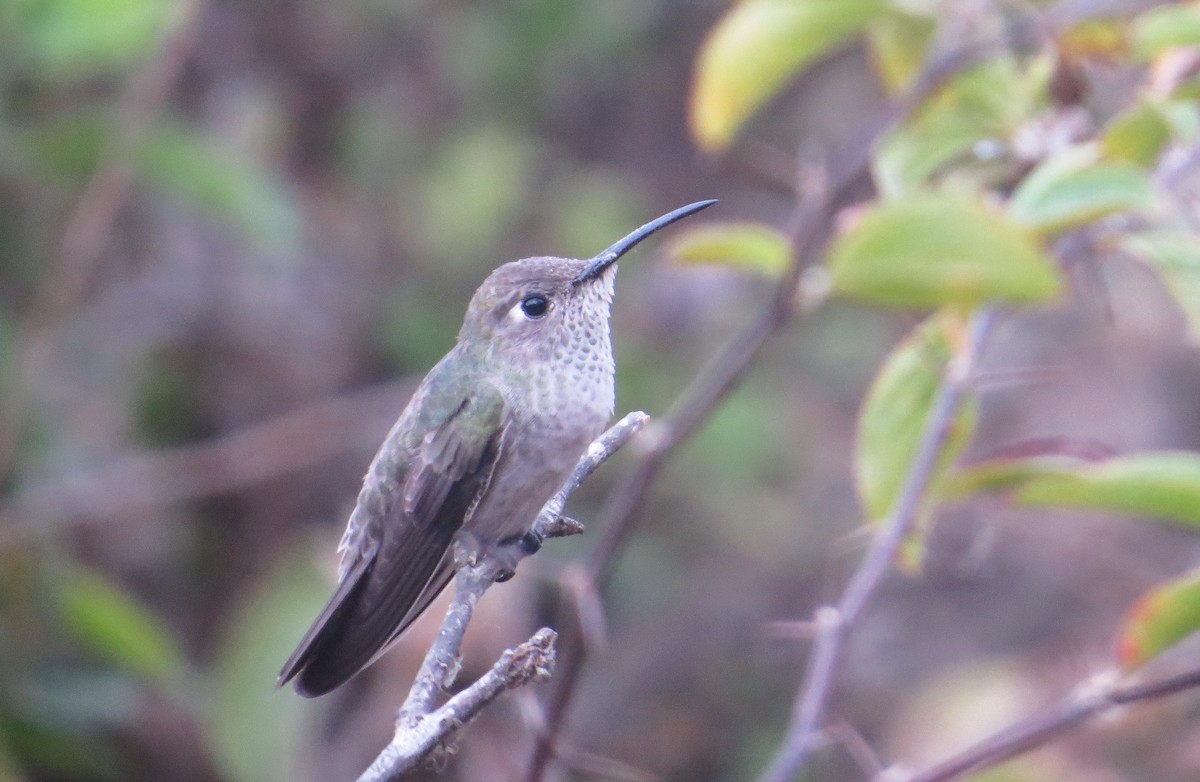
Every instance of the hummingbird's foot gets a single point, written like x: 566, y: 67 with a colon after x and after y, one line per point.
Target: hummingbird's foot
x: 501, y: 558
x: 510, y: 551
x: 470, y: 552
x: 497, y: 560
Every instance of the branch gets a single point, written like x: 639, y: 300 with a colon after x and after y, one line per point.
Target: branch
x: 1091, y: 698
x: 834, y: 623
x: 822, y: 196
x: 421, y: 729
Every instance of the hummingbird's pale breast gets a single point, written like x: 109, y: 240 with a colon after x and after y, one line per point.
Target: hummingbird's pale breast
x: 560, y: 394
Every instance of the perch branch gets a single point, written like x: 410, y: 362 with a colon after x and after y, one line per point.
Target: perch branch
x: 421, y: 729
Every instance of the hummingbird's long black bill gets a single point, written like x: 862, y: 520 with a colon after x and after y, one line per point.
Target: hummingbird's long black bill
x: 609, y: 256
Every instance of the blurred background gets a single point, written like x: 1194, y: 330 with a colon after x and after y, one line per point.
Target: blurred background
x: 233, y: 235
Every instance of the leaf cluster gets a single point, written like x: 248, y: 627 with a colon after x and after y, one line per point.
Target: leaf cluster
x: 1010, y: 175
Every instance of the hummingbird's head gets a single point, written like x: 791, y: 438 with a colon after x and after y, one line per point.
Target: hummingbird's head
x: 530, y: 307
x: 540, y: 306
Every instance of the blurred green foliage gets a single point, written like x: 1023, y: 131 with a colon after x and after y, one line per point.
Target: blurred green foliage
x: 257, y: 738
x: 893, y: 414
x: 68, y: 39
x: 1159, y: 620
x: 311, y: 204
x: 940, y: 249
x: 975, y: 189
x: 105, y: 622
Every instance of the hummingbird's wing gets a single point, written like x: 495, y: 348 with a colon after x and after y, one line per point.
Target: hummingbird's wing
x: 398, y: 557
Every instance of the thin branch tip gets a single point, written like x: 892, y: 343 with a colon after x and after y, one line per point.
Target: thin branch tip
x: 564, y: 527
x: 534, y: 659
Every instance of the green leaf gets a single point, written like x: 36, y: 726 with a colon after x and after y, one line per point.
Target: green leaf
x: 912, y: 154
x: 1075, y: 187
x: 1159, y: 619
x: 898, y: 43
x: 895, y: 411
x: 114, y: 627
x: 1003, y: 474
x: 755, y: 49
x: 1174, y: 257
x: 257, y: 731
x: 753, y: 247
x: 932, y: 250
x: 1166, y: 27
x: 69, y: 37
x: 1163, y: 485
x: 985, y: 103
x: 1137, y: 135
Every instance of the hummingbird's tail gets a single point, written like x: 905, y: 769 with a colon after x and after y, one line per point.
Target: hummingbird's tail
x: 376, y: 601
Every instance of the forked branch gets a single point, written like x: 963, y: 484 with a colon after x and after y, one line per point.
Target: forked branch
x: 422, y: 729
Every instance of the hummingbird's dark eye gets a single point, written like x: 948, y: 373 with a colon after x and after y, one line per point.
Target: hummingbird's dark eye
x: 535, y: 306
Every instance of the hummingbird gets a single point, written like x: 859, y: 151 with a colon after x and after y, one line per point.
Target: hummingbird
x: 488, y: 437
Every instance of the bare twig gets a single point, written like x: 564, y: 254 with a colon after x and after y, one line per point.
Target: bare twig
x: 420, y: 728
x: 822, y: 196
x: 88, y: 230
x: 1092, y: 698
x: 835, y: 622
